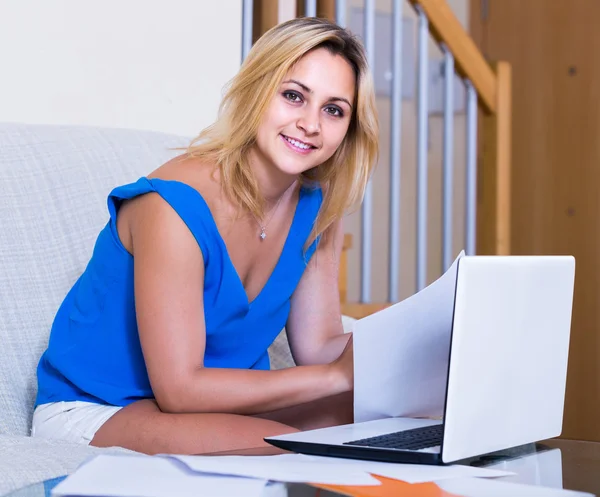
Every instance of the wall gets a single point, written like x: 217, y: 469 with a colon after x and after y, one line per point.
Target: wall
x: 380, y: 186
x: 143, y: 64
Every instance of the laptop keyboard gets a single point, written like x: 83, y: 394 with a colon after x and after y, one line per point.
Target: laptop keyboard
x: 415, y: 439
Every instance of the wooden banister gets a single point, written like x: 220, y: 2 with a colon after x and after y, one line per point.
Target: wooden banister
x: 470, y: 63
x: 343, y: 271
x: 493, y: 205
x: 493, y: 85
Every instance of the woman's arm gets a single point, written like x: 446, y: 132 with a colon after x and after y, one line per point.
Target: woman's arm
x: 169, y: 282
x: 314, y: 327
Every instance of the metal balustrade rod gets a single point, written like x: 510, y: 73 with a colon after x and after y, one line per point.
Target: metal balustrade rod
x: 310, y: 8
x: 340, y: 12
x: 448, y: 159
x: 367, y: 206
x: 422, y: 145
x: 471, y: 173
x: 395, y: 152
x: 247, y: 8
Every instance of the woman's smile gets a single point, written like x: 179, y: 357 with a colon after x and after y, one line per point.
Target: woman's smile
x: 298, y: 146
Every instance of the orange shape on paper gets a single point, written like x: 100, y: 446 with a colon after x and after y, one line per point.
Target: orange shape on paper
x: 389, y: 488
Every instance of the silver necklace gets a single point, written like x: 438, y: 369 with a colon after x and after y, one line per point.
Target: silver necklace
x: 263, y: 227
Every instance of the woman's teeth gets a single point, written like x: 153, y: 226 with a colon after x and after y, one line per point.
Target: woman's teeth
x: 298, y: 144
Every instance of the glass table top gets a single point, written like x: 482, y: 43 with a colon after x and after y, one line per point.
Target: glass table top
x: 552, y: 464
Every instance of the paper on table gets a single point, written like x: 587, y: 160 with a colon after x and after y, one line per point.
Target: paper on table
x: 290, y: 468
x: 401, y: 354
x: 145, y: 476
x: 413, y: 473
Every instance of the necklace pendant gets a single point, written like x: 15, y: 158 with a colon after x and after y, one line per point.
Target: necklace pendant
x: 262, y: 235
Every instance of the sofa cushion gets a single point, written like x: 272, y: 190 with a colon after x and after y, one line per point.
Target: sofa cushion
x: 26, y: 460
x: 55, y: 180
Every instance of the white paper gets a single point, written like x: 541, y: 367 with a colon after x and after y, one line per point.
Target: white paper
x: 413, y: 473
x: 146, y: 476
x: 289, y: 468
x: 401, y: 355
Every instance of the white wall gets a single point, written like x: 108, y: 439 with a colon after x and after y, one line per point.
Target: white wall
x: 144, y: 64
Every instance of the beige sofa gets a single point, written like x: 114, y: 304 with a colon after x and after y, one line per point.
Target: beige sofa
x: 54, y: 183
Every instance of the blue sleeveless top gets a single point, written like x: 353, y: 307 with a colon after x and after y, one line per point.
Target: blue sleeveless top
x: 94, y: 352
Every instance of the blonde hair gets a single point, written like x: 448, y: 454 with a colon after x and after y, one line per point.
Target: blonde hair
x: 343, y: 178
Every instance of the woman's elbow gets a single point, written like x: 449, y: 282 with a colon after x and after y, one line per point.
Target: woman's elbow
x: 174, y: 398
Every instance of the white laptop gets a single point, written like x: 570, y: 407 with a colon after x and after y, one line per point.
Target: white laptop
x: 506, y: 375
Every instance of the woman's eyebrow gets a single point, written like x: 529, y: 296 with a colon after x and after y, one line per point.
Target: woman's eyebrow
x: 301, y: 85
x: 308, y: 90
x: 340, y: 99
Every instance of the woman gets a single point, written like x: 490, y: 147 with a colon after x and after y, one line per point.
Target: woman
x: 161, y: 345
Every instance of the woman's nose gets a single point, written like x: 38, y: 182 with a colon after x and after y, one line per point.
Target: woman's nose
x: 310, y: 123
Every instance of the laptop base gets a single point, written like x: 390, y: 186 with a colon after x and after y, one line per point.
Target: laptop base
x: 363, y: 453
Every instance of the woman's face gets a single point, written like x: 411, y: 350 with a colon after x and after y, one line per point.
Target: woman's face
x: 309, y: 116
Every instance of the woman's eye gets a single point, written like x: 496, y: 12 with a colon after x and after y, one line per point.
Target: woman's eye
x: 334, y: 111
x: 292, y: 96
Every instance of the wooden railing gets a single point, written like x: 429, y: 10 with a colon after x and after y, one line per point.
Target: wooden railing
x: 493, y: 85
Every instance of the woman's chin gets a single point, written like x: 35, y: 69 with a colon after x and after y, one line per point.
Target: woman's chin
x: 293, y: 169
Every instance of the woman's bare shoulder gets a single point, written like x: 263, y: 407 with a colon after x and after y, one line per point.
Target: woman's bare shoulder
x: 151, y: 212
x: 194, y: 171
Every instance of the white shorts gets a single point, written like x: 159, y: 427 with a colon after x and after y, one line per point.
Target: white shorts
x: 70, y: 421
